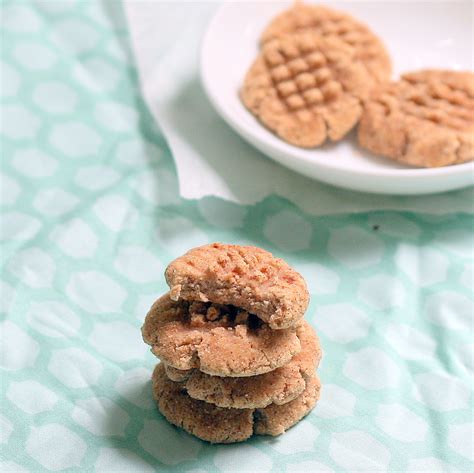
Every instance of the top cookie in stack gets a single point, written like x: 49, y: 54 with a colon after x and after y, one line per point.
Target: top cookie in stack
x: 246, y: 277
x: 233, y: 344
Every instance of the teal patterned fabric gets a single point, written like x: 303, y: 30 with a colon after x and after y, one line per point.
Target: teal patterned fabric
x: 91, y: 215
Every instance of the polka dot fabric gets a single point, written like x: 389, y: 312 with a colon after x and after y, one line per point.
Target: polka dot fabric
x: 91, y: 215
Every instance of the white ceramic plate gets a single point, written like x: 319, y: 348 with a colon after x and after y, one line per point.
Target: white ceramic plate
x: 417, y: 34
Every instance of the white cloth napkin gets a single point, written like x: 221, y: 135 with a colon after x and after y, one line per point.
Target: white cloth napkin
x: 211, y: 159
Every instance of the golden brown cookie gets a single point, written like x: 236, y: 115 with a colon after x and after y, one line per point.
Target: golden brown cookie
x: 206, y: 421
x: 243, y: 276
x: 218, y: 340
x: 307, y: 88
x: 220, y: 425
x: 332, y: 23
x: 279, y: 386
x: 425, y: 119
x: 275, y: 419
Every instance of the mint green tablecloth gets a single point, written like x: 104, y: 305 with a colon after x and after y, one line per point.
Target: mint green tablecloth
x: 90, y: 217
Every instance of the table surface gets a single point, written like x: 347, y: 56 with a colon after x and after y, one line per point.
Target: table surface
x: 91, y: 215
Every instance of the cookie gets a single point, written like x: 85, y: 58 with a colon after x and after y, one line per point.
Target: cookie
x: 425, y: 119
x: 243, y: 276
x: 307, y: 88
x: 220, y: 425
x: 279, y: 386
x: 325, y: 22
x: 206, y: 421
x: 183, y: 375
x: 219, y: 340
x: 275, y: 419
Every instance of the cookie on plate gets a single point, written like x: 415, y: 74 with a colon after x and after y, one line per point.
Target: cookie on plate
x: 326, y: 22
x: 222, y: 425
x: 219, y: 340
x: 246, y: 277
x: 425, y: 119
x: 276, y: 387
x: 307, y: 88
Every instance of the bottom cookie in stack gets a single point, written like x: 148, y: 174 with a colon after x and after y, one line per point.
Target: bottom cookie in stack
x: 226, y: 410
x: 227, y: 425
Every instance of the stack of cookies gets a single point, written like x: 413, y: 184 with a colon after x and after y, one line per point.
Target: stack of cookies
x: 320, y: 72
x: 237, y: 358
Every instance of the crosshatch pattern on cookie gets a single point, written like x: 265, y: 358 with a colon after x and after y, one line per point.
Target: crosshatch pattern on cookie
x: 435, y: 99
x: 424, y: 119
x: 307, y: 88
x: 301, y: 72
x: 332, y: 23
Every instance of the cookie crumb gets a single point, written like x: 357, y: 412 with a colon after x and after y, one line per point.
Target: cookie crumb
x: 175, y: 292
x: 213, y: 313
x: 241, y: 317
